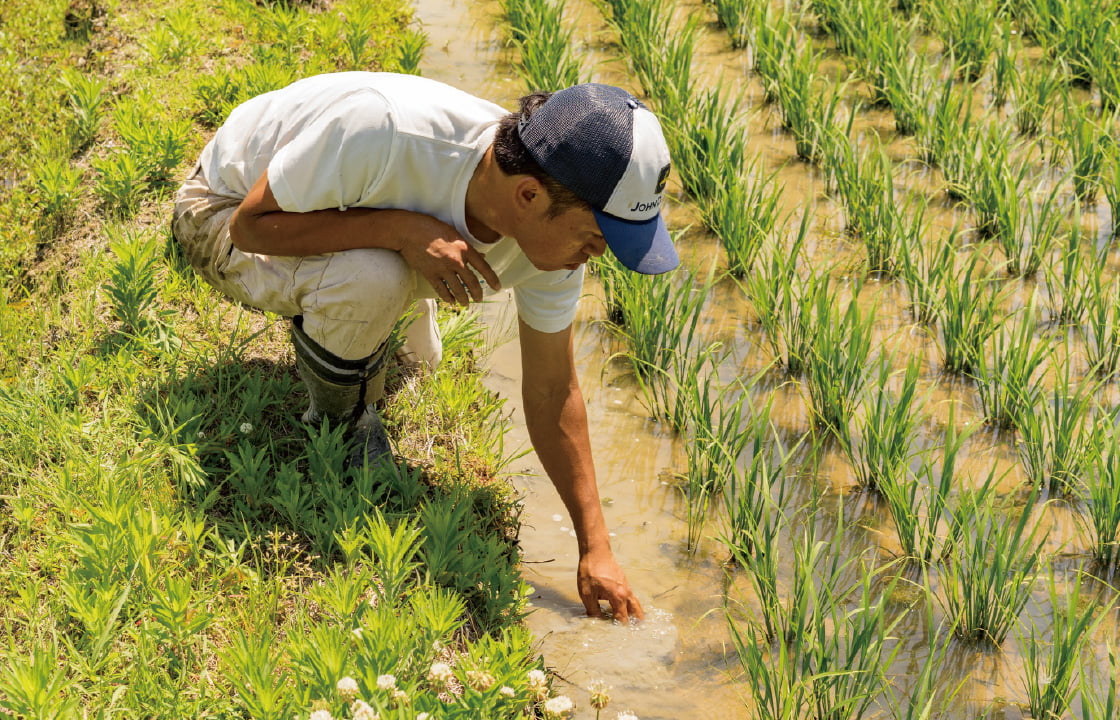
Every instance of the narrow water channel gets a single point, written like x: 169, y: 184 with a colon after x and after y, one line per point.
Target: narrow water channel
x: 677, y: 663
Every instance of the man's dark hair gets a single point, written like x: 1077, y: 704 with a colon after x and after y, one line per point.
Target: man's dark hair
x: 513, y: 157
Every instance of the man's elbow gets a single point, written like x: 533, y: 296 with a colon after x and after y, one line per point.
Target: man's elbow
x: 242, y: 231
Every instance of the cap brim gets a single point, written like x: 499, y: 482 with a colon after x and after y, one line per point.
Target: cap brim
x: 644, y: 247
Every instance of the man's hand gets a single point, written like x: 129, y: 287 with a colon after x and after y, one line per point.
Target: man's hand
x: 436, y: 251
x: 600, y: 578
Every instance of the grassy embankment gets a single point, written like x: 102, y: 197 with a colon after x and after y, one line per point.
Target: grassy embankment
x: 173, y: 542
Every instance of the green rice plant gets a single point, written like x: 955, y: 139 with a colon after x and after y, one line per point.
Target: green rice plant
x: 783, y: 300
x: 769, y: 673
x: 967, y: 314
x: 707, y: 141
x: 748, y: 495
x: 968, y: 29
x: 1101, y: 331
x: 1104, y: 67
x: 919, y: 705
x: 544, y: 43
x: 1069, y: 30
x: 1007, y: 376
x: 519, y: 17
x: 1004, y: 62
x: 411, y: 51
x: 659, y: 53
x: 906, y: 85
x: 993, y: 186
x: 918, y: 501
x: 866, y: 187
x: 808, y: 114
x: 1111, y: 186
x: 837, y: 368
x: 57, y: 185
x: 614, y: 277
x: 1034, y: 96
x: 717, y: 442
x: 1066, y: 280
x: 882, y: 446
x: 122, y: 181
x: 1059, y: 436
x: 662, y: 319
x: 742, y: 214
x: 1101, y: 704
x: 945, y: 138
x: 990, y: 574
x: 735, y: 17
x: 85, y: 95
x: 774, y: 40
x: 1050, y: 671
x: 1089, y: 144
x: 924, y: 268
x: 1026, y: 229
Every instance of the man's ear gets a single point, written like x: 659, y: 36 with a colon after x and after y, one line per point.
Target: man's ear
x: 529, y: 194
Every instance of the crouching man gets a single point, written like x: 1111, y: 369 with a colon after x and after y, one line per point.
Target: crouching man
x: 343, y: 199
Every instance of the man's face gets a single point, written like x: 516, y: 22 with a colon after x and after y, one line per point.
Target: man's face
x: 563, y: 242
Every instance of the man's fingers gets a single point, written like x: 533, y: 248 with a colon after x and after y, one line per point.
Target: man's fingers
x: 475, y: 259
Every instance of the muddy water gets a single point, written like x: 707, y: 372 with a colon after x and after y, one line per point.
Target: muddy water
x: 679, y: 663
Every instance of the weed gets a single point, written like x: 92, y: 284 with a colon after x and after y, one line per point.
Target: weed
x: 173, y: 39
x: 159, y: 144
x: 411, y: 51
x: 122, y: 180
x: 86, y: 96
x: 57, y: 191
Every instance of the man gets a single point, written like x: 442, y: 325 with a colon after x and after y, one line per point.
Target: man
x: 342, y: 199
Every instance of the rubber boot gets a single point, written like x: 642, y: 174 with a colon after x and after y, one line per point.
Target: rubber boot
x: 339, y: 389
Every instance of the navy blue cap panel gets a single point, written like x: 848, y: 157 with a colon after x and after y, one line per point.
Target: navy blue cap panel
x: 644, y: 247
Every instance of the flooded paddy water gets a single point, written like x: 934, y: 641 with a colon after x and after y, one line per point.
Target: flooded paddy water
x: 681, y: 662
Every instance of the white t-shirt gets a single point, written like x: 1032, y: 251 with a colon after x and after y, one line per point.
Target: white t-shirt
x: 381, y: 140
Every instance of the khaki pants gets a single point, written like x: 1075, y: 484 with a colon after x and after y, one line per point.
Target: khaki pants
x: 349, y: 300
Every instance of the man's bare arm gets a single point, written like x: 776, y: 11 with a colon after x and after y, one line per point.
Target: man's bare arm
x: 557, y: 421
x: 430, y: 246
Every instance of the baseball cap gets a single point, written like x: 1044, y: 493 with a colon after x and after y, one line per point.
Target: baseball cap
x: 605, y: 146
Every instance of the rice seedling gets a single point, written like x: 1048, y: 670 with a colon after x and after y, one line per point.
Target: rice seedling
x: 1059, y: 437
x: 1004, y: 62
x: 735, y: 17
x: 1027, y: 230
x: 1104, y: 67
x: 946, y: 137
x: 924, y: 269
x: 56, y: 191
x: 544, y: 42
x: 918, y: 501
x: 1101, y: 332
x: 1111, y: 186
x: 660, y: 55
x: 1069, y: 31
x: 742, y: 214
x: 1066, y: 280
x: 122, y: 180
x: 1050, y: 671
x: 718, y: 440
x: 1034, y: 94
x: 882, y: 445
x: 85, y: 95
x: 968, y: 29
x: 919, y: 705
x: 662, y: 318
x: 1089, y: 144
x: 837, y: 367
x: 785, y: 301
x: 989, y: 576
x: 613, y: 276
x: 967, y: 314
x: 807, y: 114
x: 866, y: 187
x: 905, y: 87
x: 774, y: 40
x: 993, y: 186
x: 707, y: 142
x: 748, y: 498
x: 1007, y: 376
x: 1101, y: 704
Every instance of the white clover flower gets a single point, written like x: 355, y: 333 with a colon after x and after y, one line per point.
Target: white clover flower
x: 422, y: 716
x: 320, y: 715
x: 246, y: 428
x: 347, y: 687
x: 480, y: 680
x: 558, y: 707
x: 357, y: 633
x: 440, y: 674
x: 600, y: 698
x: 360, y: 710
x: 386, y: 682
x: 507, y: 692
x: 537, y: 678
x: 626, y: 715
